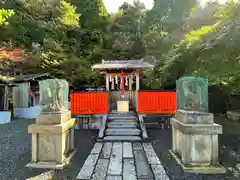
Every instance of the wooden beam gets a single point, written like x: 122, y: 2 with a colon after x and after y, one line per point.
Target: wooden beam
x: 137, y: 81
x: 6, y: 98
x: 130, y: 79
x: 107, y: 82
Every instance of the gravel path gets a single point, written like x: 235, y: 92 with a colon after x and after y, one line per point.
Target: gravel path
x: 15, y: 153
x: 162, y: 142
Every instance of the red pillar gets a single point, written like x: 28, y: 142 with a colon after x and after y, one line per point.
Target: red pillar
x: 122, y: 78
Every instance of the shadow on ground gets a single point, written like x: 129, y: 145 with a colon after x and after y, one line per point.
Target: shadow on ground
x: 15, y: 153
x: 162, y: 142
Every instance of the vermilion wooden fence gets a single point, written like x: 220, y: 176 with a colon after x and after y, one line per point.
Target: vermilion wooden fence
x: 156, y: 102
x: 89, y: 103
x: 86, y: 103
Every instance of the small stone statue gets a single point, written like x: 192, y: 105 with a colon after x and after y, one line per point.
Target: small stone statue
x: 59, y: 96
x: 52, y: 95
x: 192, y: 99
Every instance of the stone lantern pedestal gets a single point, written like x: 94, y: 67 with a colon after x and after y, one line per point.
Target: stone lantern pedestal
x: 52, y: 140
x: 195, y: 142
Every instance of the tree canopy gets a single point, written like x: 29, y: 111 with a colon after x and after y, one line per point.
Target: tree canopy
x: 65, y: 38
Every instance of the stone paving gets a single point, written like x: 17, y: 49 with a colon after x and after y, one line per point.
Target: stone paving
x: 122, y: 161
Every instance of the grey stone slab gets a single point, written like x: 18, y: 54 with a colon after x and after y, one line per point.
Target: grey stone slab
x: 129, y: 172
x: 91, y: 160
x: 49, y: 147
x: 196, y: 128
x: 124, y: 120
x: 114, y: 178
x: 88, y: 167
x: 100, y: 171
x: 238, y: 167
x: 122, y: 138
x: 142, y: 166
x: 137, y: 146
x: 151, y: 154
x: 121, y: 117
x: 97, y: 148
x: 85, y: 174
x: 101, y: 131
x: 127, y: 150
x: 106, y: 150
x: 159, y: 172
x: 123, y: 131
x: 143, y: 127
x: 122, y: 125
x: 194, y: 117
x: 115, y: 165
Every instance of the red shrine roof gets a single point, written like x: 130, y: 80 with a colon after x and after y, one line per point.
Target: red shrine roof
x: 122, y: 64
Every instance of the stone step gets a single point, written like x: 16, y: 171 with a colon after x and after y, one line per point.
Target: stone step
x: 122, y: 138
x: 120, y: 123
x: 124, y: 113
x: 122, y: 117
x: 123, y: 132
x: 120, y: 126
x: 123, y: 121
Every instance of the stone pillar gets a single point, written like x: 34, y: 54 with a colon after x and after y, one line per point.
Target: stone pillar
x: 214, y: 157
x: 107, y: 82
x: 137, y: 81
x: 52, y: 140
x: 174, y: 146
x: 186, y: 151
x: 195, y: 142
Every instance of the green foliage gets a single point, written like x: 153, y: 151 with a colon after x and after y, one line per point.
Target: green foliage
x: 67, y: 15
x: 93, y: 13
x: 211, y: 51
x: 197, y: 35
x: 5, y: 14
x: 66, y: 39
x: 127, y: 31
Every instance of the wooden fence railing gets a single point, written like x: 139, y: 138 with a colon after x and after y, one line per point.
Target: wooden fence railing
x: 86, y: 103
x: 156, y: 102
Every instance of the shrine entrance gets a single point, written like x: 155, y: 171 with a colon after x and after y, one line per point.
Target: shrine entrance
x: 122, y: 80
x: 122, y: 88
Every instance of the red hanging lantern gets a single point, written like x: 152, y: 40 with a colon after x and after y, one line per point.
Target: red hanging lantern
x: 122, y: 78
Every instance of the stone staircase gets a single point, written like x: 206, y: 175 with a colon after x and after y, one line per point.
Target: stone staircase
x: 122, y: 127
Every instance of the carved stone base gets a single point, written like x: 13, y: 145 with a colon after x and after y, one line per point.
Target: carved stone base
x: 194, y: 117
x: 53, y: 118
x: 196, y: 145
x: 50, y: 165
x: 52, y: 145
x: 217, y: 169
